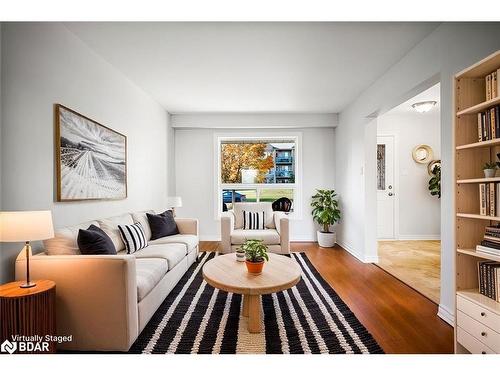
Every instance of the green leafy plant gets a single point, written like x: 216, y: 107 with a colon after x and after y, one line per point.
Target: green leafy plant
x: 490, y: 165
x: 435, y: 181
x: 255, y: 251
x: 325, y: 208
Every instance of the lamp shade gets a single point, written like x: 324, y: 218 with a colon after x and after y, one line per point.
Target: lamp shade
x: 174, y: 202
x: 20, y: 226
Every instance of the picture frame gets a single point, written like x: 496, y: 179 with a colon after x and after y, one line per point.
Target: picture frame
x: 90, y: 158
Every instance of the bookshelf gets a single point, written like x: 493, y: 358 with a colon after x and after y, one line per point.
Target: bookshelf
x: 475, y: 313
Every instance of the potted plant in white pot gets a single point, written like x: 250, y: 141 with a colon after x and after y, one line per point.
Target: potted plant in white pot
x: 326, y: 213
x: 489, y: 169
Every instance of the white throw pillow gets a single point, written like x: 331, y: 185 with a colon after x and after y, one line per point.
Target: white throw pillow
x: 254, y: 220
x: 133, y: 236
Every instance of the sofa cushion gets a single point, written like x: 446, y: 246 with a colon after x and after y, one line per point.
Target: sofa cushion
x: 149, y: 272
x: 65, y: 240
x: 140, y: 217
x: 110, y: 226
x: 190, y: 240
x: 173, y: 253
x: 94, y: 241
x: 162, y: 225
x: 133, y: 236
x: 267, y: 207
x: 269, y: 236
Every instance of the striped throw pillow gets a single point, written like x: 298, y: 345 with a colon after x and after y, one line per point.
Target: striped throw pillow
x: 254, y: 220
x: 133, y: 236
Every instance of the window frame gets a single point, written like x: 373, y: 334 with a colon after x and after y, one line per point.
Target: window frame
x: 219, y: 187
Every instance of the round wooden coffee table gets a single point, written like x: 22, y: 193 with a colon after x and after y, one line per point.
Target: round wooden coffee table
x: 225, y: 273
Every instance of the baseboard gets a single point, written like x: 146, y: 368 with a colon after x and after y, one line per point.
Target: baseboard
x: 419, y: 237
x: 350, y: 250
x: 304, y: 238
x: 371, y: 259
x: 447, y: 315
x: 214, y: 237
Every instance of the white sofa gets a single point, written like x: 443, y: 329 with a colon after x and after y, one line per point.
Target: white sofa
x: 105, y: 301
x: 276, y: 234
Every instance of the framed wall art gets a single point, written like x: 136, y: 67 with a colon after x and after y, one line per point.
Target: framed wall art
x: 91, y: 159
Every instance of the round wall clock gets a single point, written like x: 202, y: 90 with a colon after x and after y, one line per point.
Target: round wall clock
x: 422, y: 154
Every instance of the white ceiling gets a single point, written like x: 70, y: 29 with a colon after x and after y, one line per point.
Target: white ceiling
x: 432, y: 93
x: 252, y: 67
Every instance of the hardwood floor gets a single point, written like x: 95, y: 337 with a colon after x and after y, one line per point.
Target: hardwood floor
x: 399, y: 318
x: 416, y: 263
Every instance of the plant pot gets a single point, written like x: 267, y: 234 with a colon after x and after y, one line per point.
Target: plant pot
x: 254, y: 267
x: 326, y: 239
x: 240, y: 256
x: 488, y: 173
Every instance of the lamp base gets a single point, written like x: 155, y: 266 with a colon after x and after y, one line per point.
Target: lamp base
x: 28, y: 285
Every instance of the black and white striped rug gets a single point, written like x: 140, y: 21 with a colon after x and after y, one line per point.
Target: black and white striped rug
x: 308, y: 318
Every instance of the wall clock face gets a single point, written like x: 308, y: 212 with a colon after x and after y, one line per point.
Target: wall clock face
x: 422, y: 154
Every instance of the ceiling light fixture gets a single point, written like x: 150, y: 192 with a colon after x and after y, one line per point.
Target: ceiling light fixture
x: 422, y: 107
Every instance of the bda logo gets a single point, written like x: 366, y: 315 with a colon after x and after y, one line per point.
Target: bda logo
x: 9, y: 347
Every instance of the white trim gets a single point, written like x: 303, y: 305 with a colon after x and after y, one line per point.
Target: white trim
x: 418, y: 237
x: 446, y: 314
x: 297, y: 186
x: 350, y: 250
x: 371, y: 259
x: 302, y: 238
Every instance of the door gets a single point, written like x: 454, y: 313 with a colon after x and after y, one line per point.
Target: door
x: 385, y: 187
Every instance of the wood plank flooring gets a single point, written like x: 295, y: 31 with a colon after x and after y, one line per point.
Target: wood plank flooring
x: 416, y: 263
x: 399, y: 318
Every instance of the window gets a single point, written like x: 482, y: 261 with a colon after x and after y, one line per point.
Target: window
x: 257, y: 169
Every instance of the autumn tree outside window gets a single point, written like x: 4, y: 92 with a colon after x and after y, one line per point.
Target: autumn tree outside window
x: 256, y: 170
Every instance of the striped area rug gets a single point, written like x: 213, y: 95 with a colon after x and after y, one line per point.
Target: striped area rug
x: 308, y: 318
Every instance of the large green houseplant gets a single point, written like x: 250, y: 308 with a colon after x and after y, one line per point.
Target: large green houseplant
x: 325, y: 212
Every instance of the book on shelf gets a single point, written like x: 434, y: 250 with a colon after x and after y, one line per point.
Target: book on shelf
x: 486, y: 249
x: 492, y: 87
x: 488, y: 124
x: 489, y: 279
x: 489, y: 199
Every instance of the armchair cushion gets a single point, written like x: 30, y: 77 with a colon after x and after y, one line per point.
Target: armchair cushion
x: 269, y: 236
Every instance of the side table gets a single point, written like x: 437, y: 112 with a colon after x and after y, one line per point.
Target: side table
x: 29, y: 312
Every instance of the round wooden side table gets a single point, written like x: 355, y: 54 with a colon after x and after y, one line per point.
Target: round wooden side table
x: 29, y: 312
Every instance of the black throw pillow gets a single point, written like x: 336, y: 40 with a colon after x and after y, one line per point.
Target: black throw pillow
x: 94, y: 241
x: 162, y: 225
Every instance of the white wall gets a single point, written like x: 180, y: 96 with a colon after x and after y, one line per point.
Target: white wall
x: 254, y: 120
x: 194, y: 161
x: 44, y: 64
x: 419, y: 212
x: 447, y: 50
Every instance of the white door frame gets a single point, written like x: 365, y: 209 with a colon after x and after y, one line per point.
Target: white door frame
x: 395, y: 165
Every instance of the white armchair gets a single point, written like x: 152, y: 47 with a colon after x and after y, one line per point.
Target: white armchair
x: 276, y: 234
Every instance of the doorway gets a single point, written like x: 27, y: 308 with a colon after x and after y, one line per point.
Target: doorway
x: 408, y: 215
x: 385, y: 187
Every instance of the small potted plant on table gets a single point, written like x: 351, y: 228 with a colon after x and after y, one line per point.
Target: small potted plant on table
x: 326, y: 213
x: 256, y: 254
x: 489, y: 169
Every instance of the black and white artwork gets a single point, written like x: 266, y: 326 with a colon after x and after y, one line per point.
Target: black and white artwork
x: 91, y: 158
